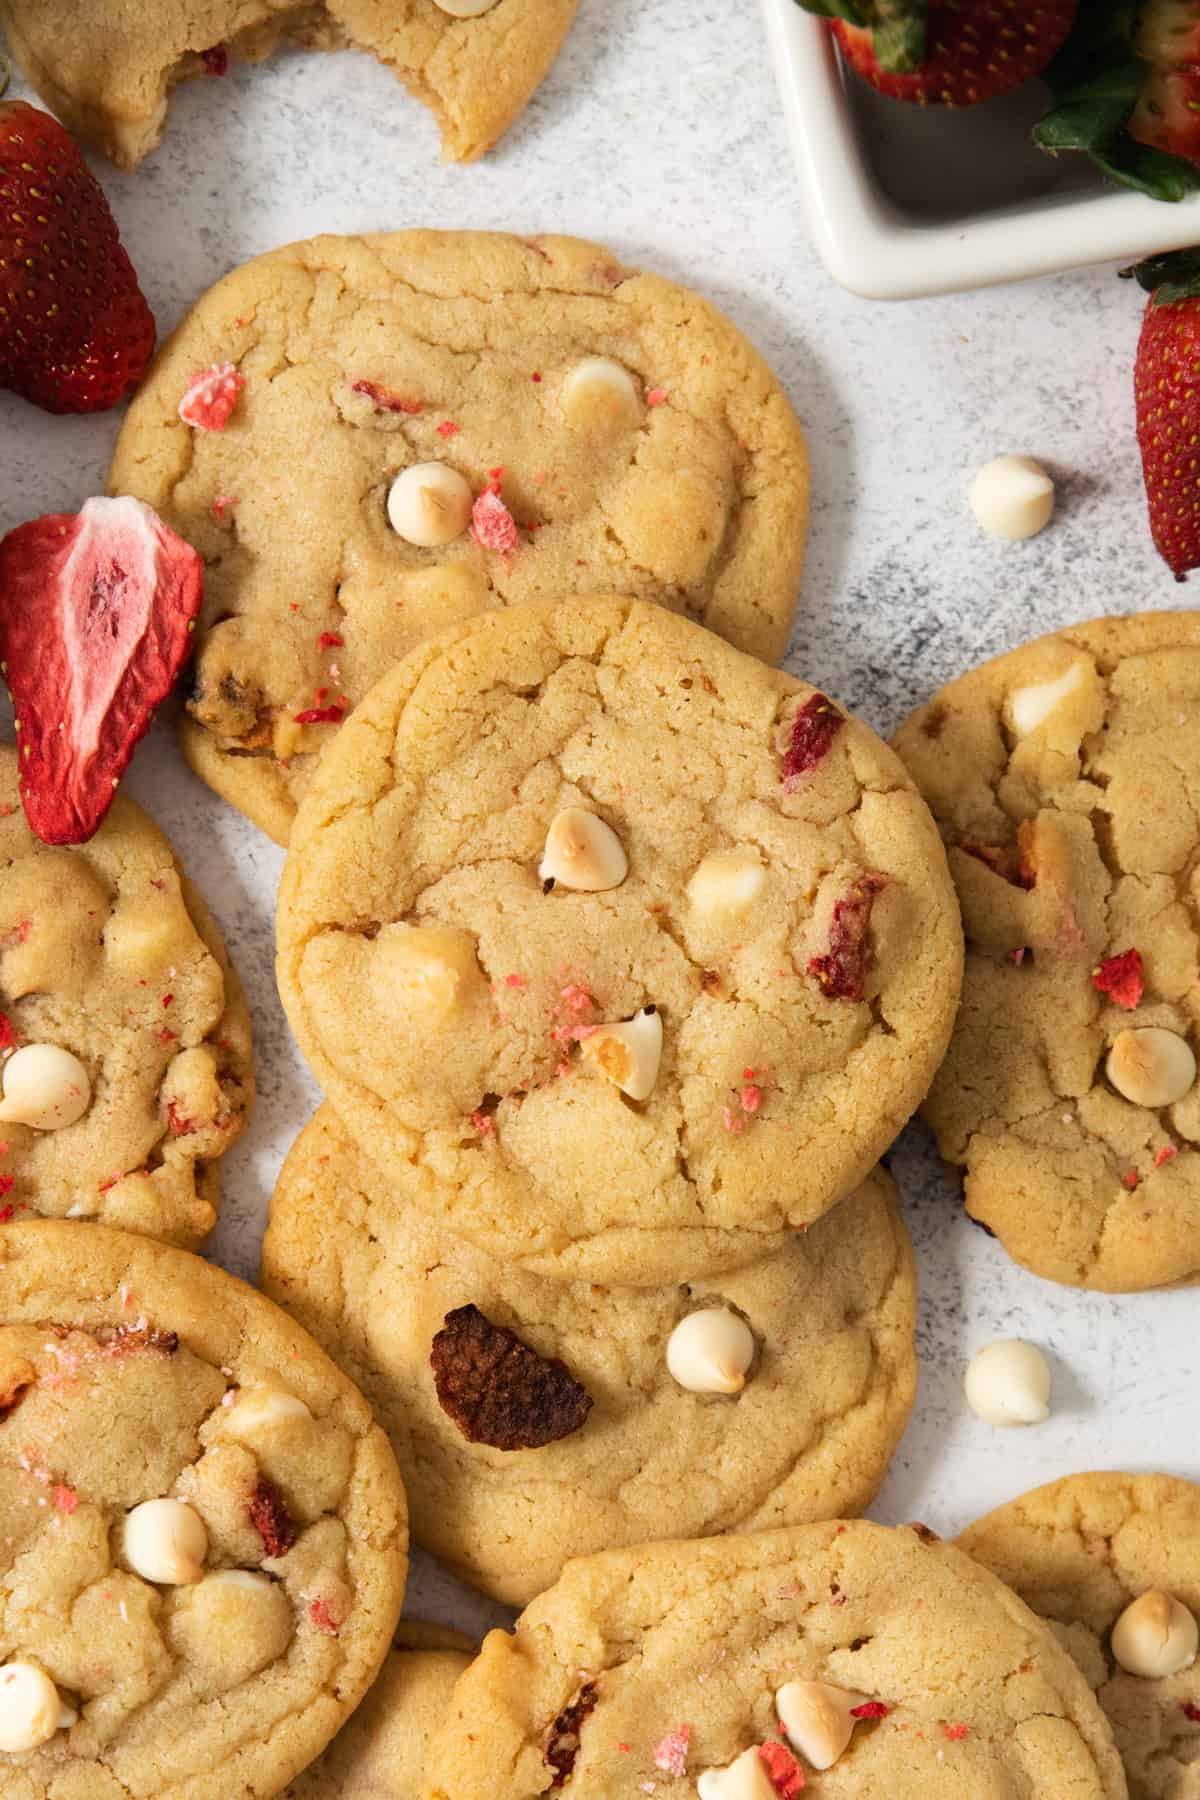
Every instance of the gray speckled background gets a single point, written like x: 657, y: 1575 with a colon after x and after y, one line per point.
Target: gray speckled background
x: 659, y: 133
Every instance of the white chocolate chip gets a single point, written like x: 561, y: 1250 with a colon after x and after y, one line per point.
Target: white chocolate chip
x: 1008, y: 1383
x: 30, y: 1709
x: 629, y: 1054
x: 1012, y: 497
x: 710, y: 1351
x: 744, y: 1779
x: 583, y: 853
x: 258, y: 1409
x: 1155, y: 1636
x: 1151, y: 1067
x: 45, y: 1087
x: 429, y: 504
x: 817, y: 1719
x: 727, y: 883
x: 1031, y: 706
x: 599, y: 394
x: 465, y: 9
x: 165, y: 1541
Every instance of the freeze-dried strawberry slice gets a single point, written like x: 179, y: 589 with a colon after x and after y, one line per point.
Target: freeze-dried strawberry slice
x: 562, y: 1745
x: 782, y: 1770
x: 814, y: 728
x: 1120, y: 977
x: 842, y: 970
x: 211, y: 396
x: 97, y: 609
x: 491, y: 522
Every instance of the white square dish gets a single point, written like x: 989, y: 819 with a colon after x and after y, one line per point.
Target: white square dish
x: 905, y: 201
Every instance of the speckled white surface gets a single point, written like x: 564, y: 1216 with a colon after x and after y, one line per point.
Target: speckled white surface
x: 659, y: 133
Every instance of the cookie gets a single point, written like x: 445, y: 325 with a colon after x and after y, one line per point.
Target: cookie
x: 891, y: 1662
x: 125, y: 1060
x: 203, y: 1542
x: 562, y: 424
x: 1065, y: 778
x: 108, y: 69
x: 1079, y: 1552
x: 617, y: 951
x: 816, y: 1391
x: 381, y: 1751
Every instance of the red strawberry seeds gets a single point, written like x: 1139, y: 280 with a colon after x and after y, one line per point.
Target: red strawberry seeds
x: 974, y: 49
x: 1168, y: 419
x: 75, y: 329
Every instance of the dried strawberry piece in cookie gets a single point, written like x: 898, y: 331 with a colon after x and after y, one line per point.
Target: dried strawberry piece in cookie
x: 97, y: 611
x: 270, y: 1518
x: 813, y: 730
x: 1120, y: 977
x: 841, y: 971
x: 500, y: 1392
x: 210, y: 397
x: 671, y: 1751
x: 562, y: 1744
x: 491, y: 522
x: 782, y: 1770
x: 386, y: 399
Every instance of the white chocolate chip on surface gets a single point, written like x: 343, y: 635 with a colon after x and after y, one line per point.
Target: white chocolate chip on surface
x: 1008, y: 1383
x: 817, y: 1719
x: 30, y: 1709
x: 583, y: 853
x: 1029, y: 707
x: 744, y: 1779
x: 1152, y: 1066
x: 1012, y: 497
x: 44, y: 1086
x: 429, y: 504
x: 710, y: 1351
x: 165, y: 1541
x: 465, y: 9
x: 258, y: 1409
x: 726, y: 884
x: 1156, y: 1636
x: 629, y: 1053
x: 599, y: 394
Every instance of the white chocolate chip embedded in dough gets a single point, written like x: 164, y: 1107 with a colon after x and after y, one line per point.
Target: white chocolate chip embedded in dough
x: 817, y: 1719
x: 434, y: 967
x: 629, y: 1053
x: 258, y: 1409
x: 30, y: 1709
x: 165, y: 1541
x: 429, y: 505
x: 599, y: 394
x: 465, y: 9
x: 745, y: 1779
x: 1151, y: 1067
x: 1008, y: 1383
x: 44, y: 1086
x: 1028, y: 707
x: 1156, y: 1636
x: 710, y: 1351
x: 726, y: 884
x: 583, y: 853
x: 1012, y: 497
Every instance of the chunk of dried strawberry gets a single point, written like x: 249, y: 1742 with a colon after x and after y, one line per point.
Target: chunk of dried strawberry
x: 97, y: 610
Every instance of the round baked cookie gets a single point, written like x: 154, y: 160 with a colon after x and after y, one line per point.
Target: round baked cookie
x: 782, y: 935
x: 209, y: 1647
x: 381, y: 1750
x: 108, y: 69
x: 827, y: 1391
x: 125, y: 1059
x: 1079, y: 1551
x: 634, y: 436
x: 1065, y: 778
x: 680, y: 1659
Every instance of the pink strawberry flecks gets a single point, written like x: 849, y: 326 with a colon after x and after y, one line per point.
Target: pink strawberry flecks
x: 323, y: 1618
x: 656, y: 396
x: 385, y: 400
x: 1165, y: 1155
x: 320, y: 715
x: 1132, y: 1179
x: 211, y: 396
x: 1190, y: 1711
x: 670, y: 1753
x: 813, y: 730
x: 1120, y: 977
x: 330, y: 640
x: 956, y: 1733
x: 221, y: 506
x: 484, y: 1124
x: 8, y: 1036
x: 515, y: 981
x: 65, y: 1499
x: 491, y: 522
x: 448, y: 429
x: 870, y: 1709
x: 782, y: 1770
x: 751, y: 1098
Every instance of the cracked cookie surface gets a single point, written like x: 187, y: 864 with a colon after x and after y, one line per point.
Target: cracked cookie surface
x: 108, y: 952
x: 671, y: 1656
x: 1078, y: 1551
x: 108, y: 69
x: 134, y: 1372
x: 1065, y: 778
x: 457, y: 348
x: 832, y: 1311
x: 445, y: 999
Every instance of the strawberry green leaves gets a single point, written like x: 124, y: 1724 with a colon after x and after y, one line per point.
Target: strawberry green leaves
x: 897, y: 28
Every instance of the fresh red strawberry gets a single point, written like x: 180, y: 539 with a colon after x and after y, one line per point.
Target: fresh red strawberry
x: 1166, y: 113
x: 97, y: 611
x: 1168, y: 405
x: 974, y: 49
x: 75, y: 330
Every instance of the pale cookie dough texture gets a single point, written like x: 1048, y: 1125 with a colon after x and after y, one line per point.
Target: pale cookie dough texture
x: 380, y: 1753
x: 809, y: 1436
x: 108, y: 952
x: 1065, y: 778
x: 674, y: 1653
x: 444, y: 999
x: 108, y: 67
x: 365, y: 356
x: 130, y: 1372
x: 1078, y: 1551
